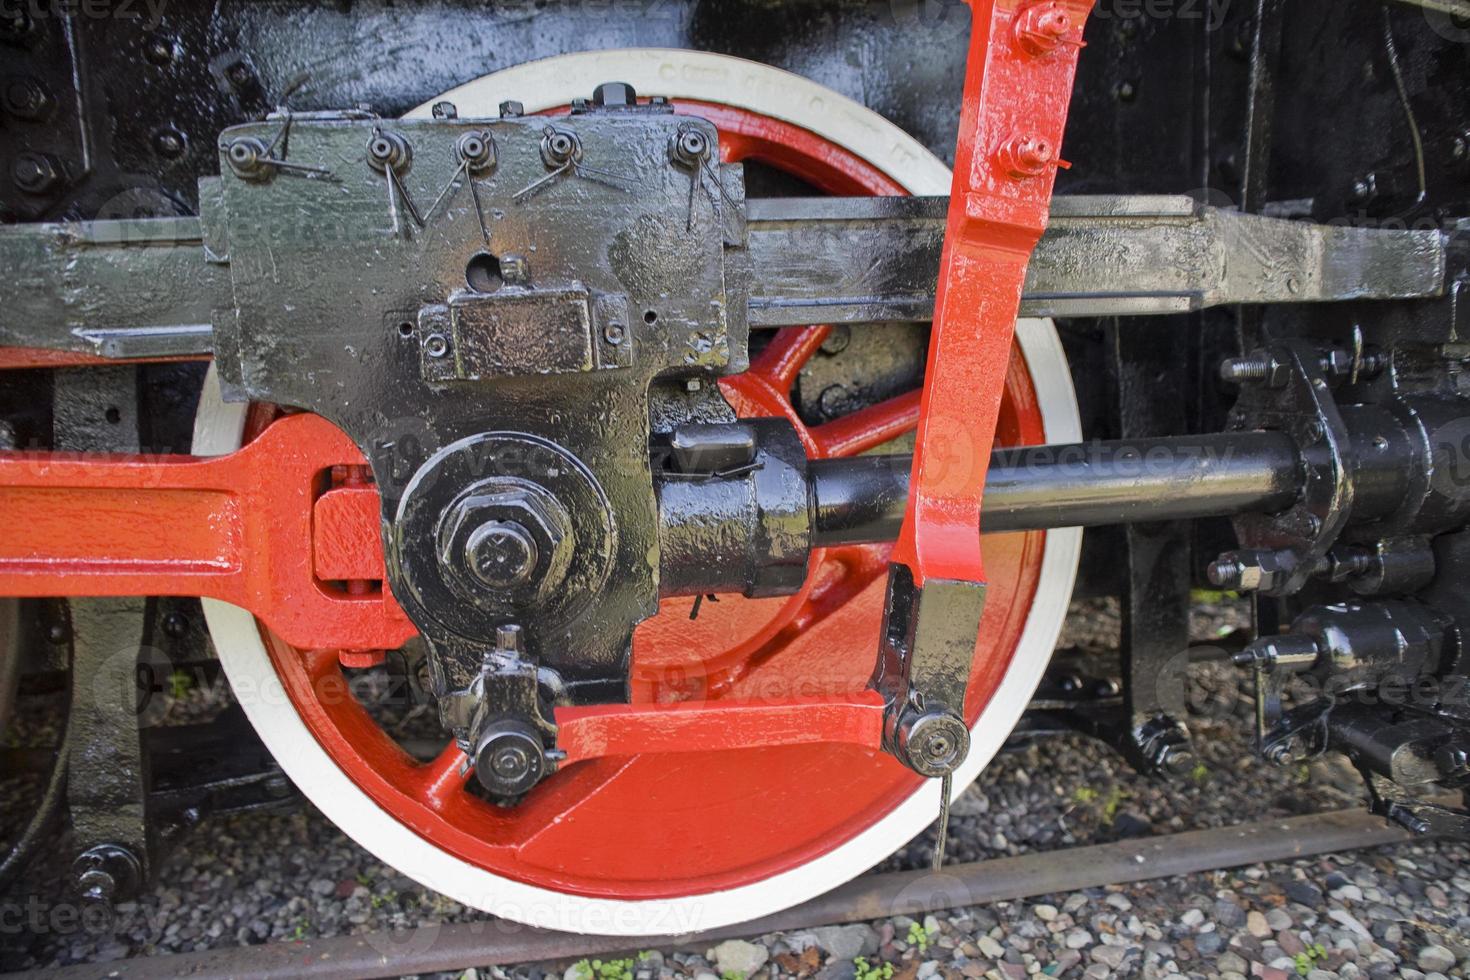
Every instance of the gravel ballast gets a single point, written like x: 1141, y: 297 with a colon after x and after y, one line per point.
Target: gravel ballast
x: 1402, y: 911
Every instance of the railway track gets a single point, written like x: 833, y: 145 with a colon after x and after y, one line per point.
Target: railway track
x: 501, y: 942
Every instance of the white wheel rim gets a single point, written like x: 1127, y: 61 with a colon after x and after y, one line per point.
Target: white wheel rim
x: 219, y: 427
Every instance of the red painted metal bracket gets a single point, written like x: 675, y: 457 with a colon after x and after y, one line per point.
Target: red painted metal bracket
x: 241, y: 528
x: 1018, y: 83
x: 706, y: 726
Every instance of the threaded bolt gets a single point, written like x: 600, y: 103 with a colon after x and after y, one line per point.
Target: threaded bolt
x: 1372, y: 364
x: 1280, y: 754
x: 1244, y: 370
x: 1225, y: 573
x: 1342, y: 564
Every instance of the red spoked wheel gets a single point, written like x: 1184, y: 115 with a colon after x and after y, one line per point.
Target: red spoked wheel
x: 674, y: 842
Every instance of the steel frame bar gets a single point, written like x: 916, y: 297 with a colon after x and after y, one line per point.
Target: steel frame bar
x: 865, y: 260
x: 819, y: 260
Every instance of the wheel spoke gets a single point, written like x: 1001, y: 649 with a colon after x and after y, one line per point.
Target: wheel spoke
x: 868, y: 427
x: 783, y: 357
x: 734, y: 147
x: 444, y: 777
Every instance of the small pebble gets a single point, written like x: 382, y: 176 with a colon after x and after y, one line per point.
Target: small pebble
x: 1436, y: 959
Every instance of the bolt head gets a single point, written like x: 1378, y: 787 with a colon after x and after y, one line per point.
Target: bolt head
x: 932, y: 743
x: 693, y: 143
x: 511, y: 109
x: 834, y: 401
x: 1176, y: 760
x: 614, y: 95
x: 176, y: 625
x: 516, y: 539
x: 1453, y: 760
x: 837, y: 340
x: 1040, y: 27
x: 477, y: 150
x: 158, y: 52
x: 106, y: 872
x: 388, y: 151
x: 502, y: 554
x: 1280, y: 754
x: 36, y: 173
x: 1251, y: 571
x: 1026, y: 156
x: 26, y: 98
x: 96, y: 886
x: 515, y: 270
x: 239, y: 74
x: 509, y: 760
x: 169, y: 143
x: 558, y: 147
x: 246, y: 157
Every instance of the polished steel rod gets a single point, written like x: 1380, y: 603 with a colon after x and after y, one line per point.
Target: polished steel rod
x: 862, y: 499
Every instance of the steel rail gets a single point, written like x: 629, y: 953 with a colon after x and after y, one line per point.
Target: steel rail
x: 498, y: 942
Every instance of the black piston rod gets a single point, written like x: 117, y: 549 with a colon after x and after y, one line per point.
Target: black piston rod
x: 862, y: 499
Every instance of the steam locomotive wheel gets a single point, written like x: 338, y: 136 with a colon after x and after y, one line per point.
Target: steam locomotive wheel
x: 674, y: 842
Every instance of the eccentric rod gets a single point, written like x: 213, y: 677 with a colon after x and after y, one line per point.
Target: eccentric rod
x: 862, y: 499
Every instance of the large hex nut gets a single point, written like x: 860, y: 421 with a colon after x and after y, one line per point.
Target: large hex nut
x: 506, y: 538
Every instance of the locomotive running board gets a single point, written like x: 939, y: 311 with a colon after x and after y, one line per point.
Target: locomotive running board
x: 148, y: 288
